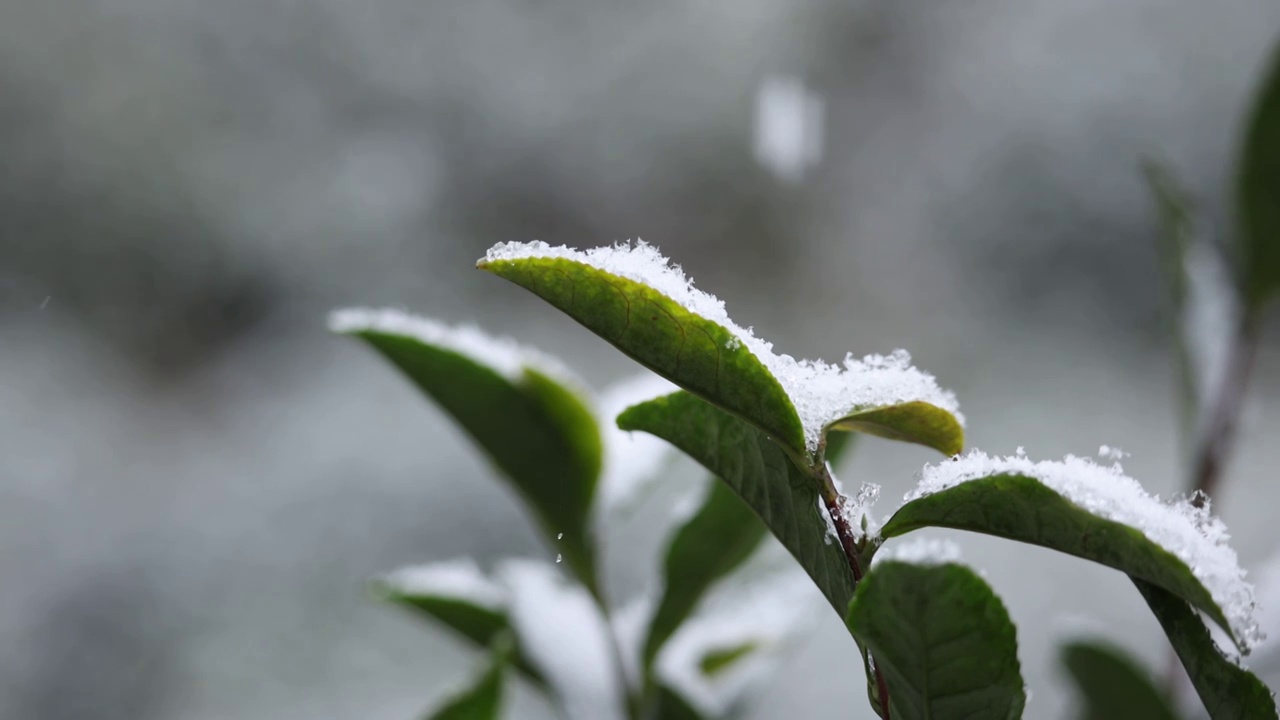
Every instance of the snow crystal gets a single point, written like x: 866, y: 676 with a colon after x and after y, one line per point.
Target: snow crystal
x: 502, y: 355
x: 1111, y: 453
x: 1190, y: 533
x: 563, y: 633
x: 461, y: 579
x: 822, y: 393
x: 788, y: 127
x: 919, y: 551
x: 764, y: 614
x: 632, y: 459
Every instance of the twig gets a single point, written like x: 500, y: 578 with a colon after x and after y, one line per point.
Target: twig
x: 831, y: 498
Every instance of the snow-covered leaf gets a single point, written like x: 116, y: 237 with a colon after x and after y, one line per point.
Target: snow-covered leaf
x: 761, y: 474
x: 715, y: 541
x: 1094, y: 512
x: 942, y: 639
x: 721, y: 654
x: 483, y: 699
x: 458, y: 595
x: 561, y: 630
x: 1258, y: 192
x: 521, y: 407
x: 633, y: 461
x: 631, y: 296
x: 1228, y: 691
x: 1111, y: 685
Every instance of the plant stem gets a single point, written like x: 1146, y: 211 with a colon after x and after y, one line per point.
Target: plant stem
x: 630, y: 698
x: 833, y: 501
x: 1222, y: 417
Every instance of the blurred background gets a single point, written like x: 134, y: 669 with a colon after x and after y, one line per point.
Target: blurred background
x: 196, y: 479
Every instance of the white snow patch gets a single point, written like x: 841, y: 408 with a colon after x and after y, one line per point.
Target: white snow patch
x: 766, y: 615
x: 919, y: 551
x: 632, y: 459
x: 630, y: 624
x: 502, y: 355
x: 1111, y: 453
x: 788, y: 127
x: 562, y: 631
x: 1209, y: 319
x: 822, y: 393
x: 1190, y: 533
x: 461, y: 579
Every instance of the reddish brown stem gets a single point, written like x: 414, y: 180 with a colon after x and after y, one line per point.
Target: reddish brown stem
x: 831, y: 498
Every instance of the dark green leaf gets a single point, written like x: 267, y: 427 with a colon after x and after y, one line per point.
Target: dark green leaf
x: 483, y: 700
x: 1111, y: 685
x: 713, y: 543
x: 480, y: 624
x: 1227, y: 691
x: 1022, y: 508
x: 1258, y: 201
x: 760, y: 473
x: 672, y: 706
x: 536, y: 430
x: 943, y: 641
x: 915, y: 422
x: 697, y: 354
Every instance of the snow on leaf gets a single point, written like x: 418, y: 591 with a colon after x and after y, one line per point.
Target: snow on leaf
x: 762, y: 616
x: 502, y: 355
x: 822, y: 393
x: 461, y: 579
x: 1187, y: 532
x: 563, y: 633
x: 632, y: 459
x: 919, y: 551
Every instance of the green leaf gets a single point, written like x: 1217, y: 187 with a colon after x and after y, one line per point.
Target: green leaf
x: 713, y: 543
x: 478, y: 623
x: 538, y: 432
x: 942, y: 639
x: 1022, y: 508
x: 1176, y: 241
x: 760, y: 473
x: 672, y: 706
x: 483, y: 699
x: 1112, y: 685
x: 697, y: 354
x: 915, y: 422
x: 1228, y: 691
x: 1258, y: 192
x: 721, y: 659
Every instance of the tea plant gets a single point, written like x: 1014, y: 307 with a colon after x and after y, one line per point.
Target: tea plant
x: 935, y: 640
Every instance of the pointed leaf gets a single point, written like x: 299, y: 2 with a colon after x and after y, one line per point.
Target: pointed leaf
x: 536, y: 428
x: 942, y: 639
x: 916, y: 422
x: 720, y: 660
x: 760, y: 473
x: 1258, y: 192
x: 714, y: 542
x: 459, y: 595
x: 691, y: 351
x: 1111, y: 685
x: 1228, y: 691
x: 483, y: 700
x: 1023, y: 508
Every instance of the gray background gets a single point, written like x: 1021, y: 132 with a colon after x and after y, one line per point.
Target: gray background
x: 196, y: 480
